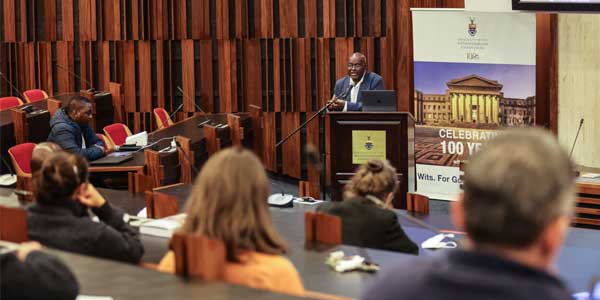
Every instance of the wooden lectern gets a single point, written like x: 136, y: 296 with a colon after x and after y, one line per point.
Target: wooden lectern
x: 366, y: 131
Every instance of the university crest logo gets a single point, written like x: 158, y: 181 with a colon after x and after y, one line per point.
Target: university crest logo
x: 369, y: 143
x: 472, y: 27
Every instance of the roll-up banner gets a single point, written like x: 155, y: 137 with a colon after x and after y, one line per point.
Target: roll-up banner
x: 474, y: 74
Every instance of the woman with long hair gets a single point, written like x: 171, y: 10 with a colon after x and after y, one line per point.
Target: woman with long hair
x: 229, y: 203
x: 366, y: 212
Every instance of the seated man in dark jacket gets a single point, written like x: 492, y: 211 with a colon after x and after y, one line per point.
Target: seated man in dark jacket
x: 516, y: 208
x: 56, y: 220
x: 69, y: 128
x: 31, y: 274
x: 367, y: 217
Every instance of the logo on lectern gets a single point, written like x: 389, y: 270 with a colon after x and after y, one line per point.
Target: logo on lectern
x: 369, y: 144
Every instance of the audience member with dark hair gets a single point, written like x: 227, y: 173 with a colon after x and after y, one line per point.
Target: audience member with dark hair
x: 32, y: 274
x: 367, y: 217
x: 516, y: 208
x: 69, y: 128
x: 229, y: 203
x: 56, y: 219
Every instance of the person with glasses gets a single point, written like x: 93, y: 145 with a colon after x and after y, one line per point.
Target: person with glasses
x: 346, y: 94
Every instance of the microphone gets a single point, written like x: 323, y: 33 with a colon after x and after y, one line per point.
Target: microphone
x: 7, y: 180
x: 576, y: 136
x: 91, y: 89
x: 197, y: 106
x: 176, y: 110
x: 154, y: 143
x: 347, y: 91
x: 12, y: 86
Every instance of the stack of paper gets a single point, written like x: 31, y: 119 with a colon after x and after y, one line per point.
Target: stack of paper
x: 162, y: 227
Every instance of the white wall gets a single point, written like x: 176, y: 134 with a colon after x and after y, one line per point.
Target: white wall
x: 579, y: 85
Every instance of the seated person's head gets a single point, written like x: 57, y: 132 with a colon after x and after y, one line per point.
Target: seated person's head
x: 61, y: 179
x: 518, y: 196
x: 40, y: 153
x: 376, y: 179
x: 229, y: 202
x: 79, y: 110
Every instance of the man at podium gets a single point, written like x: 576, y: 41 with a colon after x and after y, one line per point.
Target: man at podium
x: 347, y: 89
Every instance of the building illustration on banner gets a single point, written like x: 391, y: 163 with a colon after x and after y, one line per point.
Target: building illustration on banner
x: 473, y: 101
x: 456, y: 113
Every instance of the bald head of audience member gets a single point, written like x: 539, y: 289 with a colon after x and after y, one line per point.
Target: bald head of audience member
x: 518, y: 197
x: 40, y: 153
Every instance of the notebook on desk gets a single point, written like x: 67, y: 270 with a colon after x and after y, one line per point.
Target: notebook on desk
x: 114, y: 158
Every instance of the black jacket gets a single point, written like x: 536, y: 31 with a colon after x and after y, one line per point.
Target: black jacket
x: 62, y: 228
x: 67, y: 134
x: 466, y: 275
x: 366, y: 225
x: 40, y: 276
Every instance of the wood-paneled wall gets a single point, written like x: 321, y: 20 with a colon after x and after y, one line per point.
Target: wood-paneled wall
x: 281, y: 55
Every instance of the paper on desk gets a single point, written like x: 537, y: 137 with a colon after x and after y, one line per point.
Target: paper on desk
x: 142, y: 213
x: 87, y: 297
x: 590, y: 175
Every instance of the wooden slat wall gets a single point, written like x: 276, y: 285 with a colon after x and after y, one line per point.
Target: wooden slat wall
x: 281, y: 55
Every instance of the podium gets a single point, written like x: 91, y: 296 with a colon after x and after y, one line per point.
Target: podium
x: 354, y: 137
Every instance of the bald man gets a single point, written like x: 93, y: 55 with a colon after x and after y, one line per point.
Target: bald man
x: 347, y: 90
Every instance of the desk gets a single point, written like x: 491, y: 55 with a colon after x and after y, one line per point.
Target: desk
x: 7, y: 128
x: 315, y: 275
x: 100, y: 277
x: 167, y: 167
x: 577, y: 262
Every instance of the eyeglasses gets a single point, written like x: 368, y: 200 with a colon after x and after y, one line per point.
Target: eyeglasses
x: 355, y: 66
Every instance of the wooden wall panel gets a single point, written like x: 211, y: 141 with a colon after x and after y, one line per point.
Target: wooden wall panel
x: 65, y: 58
x: 10, y: 22
x: 269, y: 136
x: 187, y: 66
x: 228, y: 75
x: 145, y: 76
x: 229, y: 54
x: 252, y: 74
x: 292, y: 147
x: 68, y: 30
x: 206, y: 76
x: 129, y: 90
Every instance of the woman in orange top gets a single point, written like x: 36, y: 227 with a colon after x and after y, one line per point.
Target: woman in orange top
x: 228, y: 203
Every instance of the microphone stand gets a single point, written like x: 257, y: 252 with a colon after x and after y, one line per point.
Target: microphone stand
x: 12, y: 86
x: 91, y: 89
x: 321, y: 140
x: 201, y: 124
x: 321, y: 134
x: 176, y: 110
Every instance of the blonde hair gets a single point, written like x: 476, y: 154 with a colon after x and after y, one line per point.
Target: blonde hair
x: 229, y: 203
x: 375, y: 178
